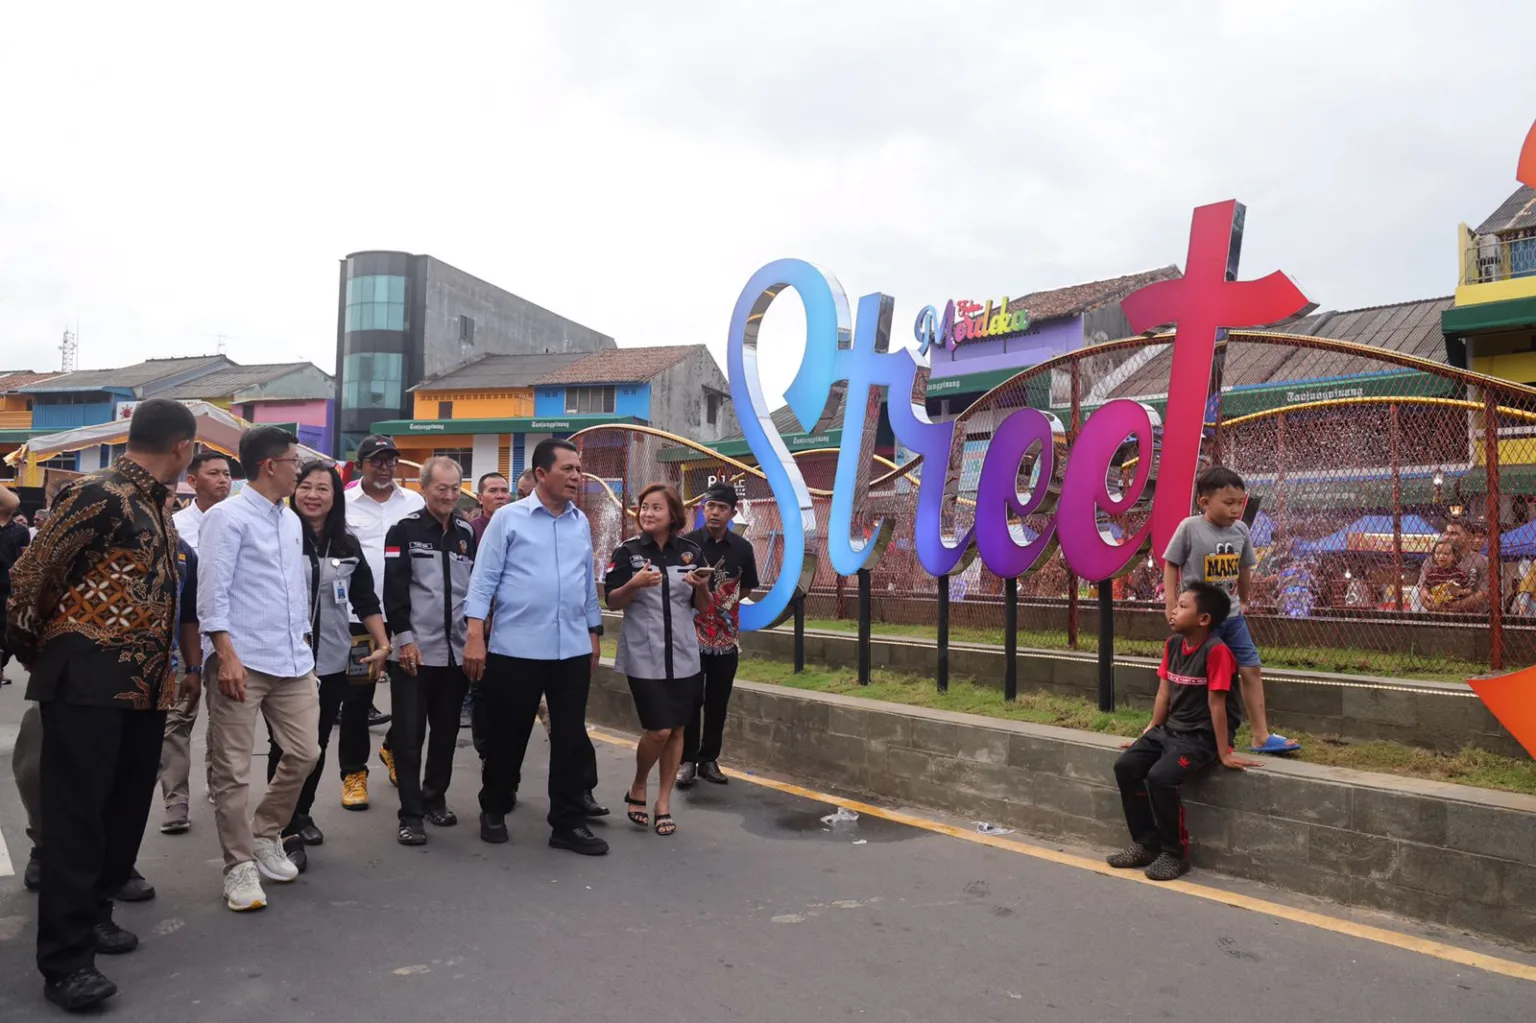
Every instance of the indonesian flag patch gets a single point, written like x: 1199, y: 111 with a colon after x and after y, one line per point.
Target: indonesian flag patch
x: 391, y: 552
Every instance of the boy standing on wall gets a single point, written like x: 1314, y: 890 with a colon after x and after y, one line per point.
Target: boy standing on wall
x: 1214, y: 547
x: 1193, y: 722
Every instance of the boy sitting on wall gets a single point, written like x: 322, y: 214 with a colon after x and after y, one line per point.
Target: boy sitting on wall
x: 1195, y: 704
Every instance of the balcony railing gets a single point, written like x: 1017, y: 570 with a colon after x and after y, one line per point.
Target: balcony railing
x: 1491, y: 259
x: 15, y: 420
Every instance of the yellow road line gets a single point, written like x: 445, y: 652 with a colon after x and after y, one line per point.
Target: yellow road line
x: 1382, y: 936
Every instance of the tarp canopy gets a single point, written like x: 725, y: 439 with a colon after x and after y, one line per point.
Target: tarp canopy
x: 1517, y: 543
x: 216, y: 429
x: 1372, y: 534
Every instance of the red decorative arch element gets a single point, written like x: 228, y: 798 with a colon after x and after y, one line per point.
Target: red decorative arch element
x: 1512, y: 699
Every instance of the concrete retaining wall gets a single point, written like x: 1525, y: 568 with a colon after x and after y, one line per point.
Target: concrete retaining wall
x: 1447, y: 854
x: 1441, y: 716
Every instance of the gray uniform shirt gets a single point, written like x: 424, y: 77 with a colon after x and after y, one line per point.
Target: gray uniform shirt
x: 658, y: 640
x: 333, y: 600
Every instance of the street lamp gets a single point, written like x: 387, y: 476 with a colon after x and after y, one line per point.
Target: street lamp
x: 1439, y: 482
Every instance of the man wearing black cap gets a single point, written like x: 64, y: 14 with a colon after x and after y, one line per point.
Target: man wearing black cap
x: 373, y: 506
x: 735, y: 577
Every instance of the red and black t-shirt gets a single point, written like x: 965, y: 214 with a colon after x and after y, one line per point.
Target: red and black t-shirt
x: 1194, y: 673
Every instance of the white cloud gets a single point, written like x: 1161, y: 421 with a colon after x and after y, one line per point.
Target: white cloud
x: 171, y: 178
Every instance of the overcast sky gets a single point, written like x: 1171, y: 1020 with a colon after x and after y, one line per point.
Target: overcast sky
x: 172, y: 173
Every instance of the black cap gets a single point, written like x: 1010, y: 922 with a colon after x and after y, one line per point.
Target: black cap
x: 376, y: 444
x: 723, y: 493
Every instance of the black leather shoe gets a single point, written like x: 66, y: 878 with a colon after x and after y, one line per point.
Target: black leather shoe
x: 377, y: 717
x: 579, y: 840
x: 136, y: 890
x: 32, y: 877
x: 686, y: 775
x: 293, y: 847
x: 112, y: 940
x: 590, y: 807
x: 493, y: 828
x: 710, y: 772
x: 308, y: 833
x: 84, y: 989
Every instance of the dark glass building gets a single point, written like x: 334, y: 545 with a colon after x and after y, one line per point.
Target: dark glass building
x: 401, y: 318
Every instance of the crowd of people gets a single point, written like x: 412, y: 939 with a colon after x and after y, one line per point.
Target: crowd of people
x: 288, y: 600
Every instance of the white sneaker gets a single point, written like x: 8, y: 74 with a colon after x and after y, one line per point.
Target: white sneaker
x: 272, y: 861
x: 242, y: 889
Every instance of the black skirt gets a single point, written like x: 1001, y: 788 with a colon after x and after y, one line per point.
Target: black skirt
x: 663, y: 703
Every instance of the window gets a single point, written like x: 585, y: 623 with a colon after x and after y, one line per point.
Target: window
x: 372, y: 380
x: 463, y: 456
x: 466, y: 330
x: 375, y: 302
x: 445, y: 410
x: 588, y: 401
x: 712, y: 408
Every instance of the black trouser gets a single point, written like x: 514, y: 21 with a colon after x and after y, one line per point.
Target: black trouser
x: 1150, y: 773
x: 99, y: 766
x: 510, y: 694
x: 719, y: 676
x: 425, y: 703
x: 333, y: 690
x: 355, y: 741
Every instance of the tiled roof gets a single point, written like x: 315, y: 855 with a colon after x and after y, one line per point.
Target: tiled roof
x: 146, y: 372
x: 1082, y: 298
x: 492, y: 372
x: 622, y: 365
x: 1518, y: 211
x: 12, y: 379
x: 230, y: 382
x: 787, y: 425
x: 1412, y: 328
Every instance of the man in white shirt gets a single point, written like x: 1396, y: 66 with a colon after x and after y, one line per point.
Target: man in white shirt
x: 210, y: 477
x: 373, y: 506
x: 253, y: 607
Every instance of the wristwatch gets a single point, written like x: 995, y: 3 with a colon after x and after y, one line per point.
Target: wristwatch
x: 194, y: 669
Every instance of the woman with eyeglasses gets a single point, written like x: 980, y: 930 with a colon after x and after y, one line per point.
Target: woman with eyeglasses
x: 338, y: 577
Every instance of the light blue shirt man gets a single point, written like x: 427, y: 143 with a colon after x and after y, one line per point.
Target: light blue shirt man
x: 251, y: 584
x: 535, y: 569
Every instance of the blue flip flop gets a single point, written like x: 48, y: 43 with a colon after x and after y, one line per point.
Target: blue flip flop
x: 1276, y: 744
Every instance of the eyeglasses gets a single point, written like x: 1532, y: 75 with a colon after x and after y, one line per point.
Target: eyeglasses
x: 383, y: 462
x: 291, y: 458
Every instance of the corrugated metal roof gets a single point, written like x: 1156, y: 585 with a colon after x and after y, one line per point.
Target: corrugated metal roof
x: 491, y: 372
x: 229, y: 382
x: 1411, y: 328
x: 622, y: 365
x: 146, y: 372
x: 1518, y: 211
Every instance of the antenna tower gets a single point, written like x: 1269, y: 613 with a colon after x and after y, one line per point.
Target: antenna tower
x: 70, y: 349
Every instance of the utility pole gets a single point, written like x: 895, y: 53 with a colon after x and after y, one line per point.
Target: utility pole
x: 70, y: 350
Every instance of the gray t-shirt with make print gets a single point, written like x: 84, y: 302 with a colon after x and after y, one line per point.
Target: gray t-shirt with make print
x: 1208, y: 553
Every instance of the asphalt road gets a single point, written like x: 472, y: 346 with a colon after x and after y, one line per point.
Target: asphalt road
x: 754, y: 910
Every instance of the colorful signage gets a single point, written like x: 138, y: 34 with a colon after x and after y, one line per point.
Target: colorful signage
x: 966, y: 321
x: 1207, y: 299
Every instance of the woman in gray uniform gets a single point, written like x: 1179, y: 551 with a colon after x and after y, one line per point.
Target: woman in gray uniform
x: 658, y: 579
x: 338, y: 578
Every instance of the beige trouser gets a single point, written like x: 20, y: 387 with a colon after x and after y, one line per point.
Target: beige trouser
x: 291, y: 707
x: 176, y: 750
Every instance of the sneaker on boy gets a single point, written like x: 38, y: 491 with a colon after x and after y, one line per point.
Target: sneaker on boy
x: 1195, y: 704
x: 1214, y: 547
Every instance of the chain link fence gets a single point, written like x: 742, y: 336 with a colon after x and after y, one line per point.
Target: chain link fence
x: 1394, y: 524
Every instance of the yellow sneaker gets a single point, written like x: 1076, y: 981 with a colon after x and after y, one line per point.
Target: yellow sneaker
x: 388, y: 760
x: 354, y: 791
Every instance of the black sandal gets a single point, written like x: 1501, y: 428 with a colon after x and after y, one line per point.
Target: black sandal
x: 637, y: 817
x: 665, y: 825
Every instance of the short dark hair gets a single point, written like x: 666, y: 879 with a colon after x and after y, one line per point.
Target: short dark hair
x: 261, y: 443
x: 489, y: 476
x: 1211, y: 600
x: 205, y: 456
x: 159, y: 424
x: 674, y: 504
x: 544, y: 452
x: 1218, y: 477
